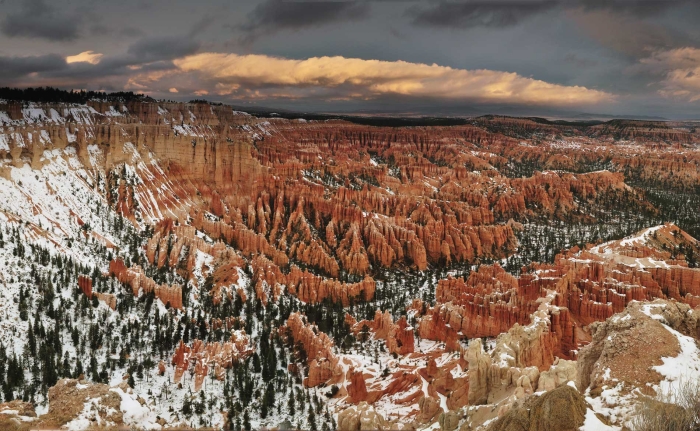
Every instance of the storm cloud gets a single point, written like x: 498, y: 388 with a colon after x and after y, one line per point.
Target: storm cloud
x: 162, y: 48
x: 38, y: 19
x: 504, y: 13
x: 478, y: 13
x: 15, y: 68
x: 271, y: 16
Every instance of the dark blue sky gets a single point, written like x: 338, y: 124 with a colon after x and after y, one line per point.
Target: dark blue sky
x: 540, y: 57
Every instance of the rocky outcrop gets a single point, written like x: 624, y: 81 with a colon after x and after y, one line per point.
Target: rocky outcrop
x: 636, y: 336
x: 307, y: 286
x: 70, y: 398
x: 85, y: 285
x: 308, y: 204
x: 586, y: 285
x: 17, y: 415
x: 357, y: 389
x: 362, y: 417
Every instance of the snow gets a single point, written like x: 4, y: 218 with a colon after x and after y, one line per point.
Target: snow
x: 134, y: 412
x: 87, y: 417
x: 592, y: 423
x: 684, y: 366
x: 4, y: 145
x: 41, y: 409
x: 647, y: 309
x: 443, y: 402
x: 640, y: 238
x: 612, y: 404
x: 111, y: 112
x: 33, y: 114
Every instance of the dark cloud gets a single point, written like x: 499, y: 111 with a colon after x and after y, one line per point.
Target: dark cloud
x: 146, y: 57
x: 37, y: 19
x: 13, y: 68
x: 579, y: 62
x: 505, y: 13
x: 271, y: 16
x: 201, y: 25
x: 629, y: 35
x: 100, y: 29
x: 162, y: 48
x: 478, y: 13
x: 639, y: 8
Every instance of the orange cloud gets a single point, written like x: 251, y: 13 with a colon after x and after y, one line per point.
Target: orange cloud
x: 372, y: 78
x: 85, y: 57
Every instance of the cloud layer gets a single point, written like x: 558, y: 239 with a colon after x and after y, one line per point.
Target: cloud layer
x: 681, y: 72
x: 558, y: 56
x: 357, y: 78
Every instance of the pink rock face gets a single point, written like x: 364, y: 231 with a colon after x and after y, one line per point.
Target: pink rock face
x: 85, y: 285
x: 324, y: 366
x: 357, y: 390
x: 137, y: 280
x: 206, y: 356
x: 588, y: 285
x: 399, y: 336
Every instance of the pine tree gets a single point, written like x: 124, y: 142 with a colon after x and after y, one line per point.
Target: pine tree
x: 256, y: 363
x: 31, y: 341
x: 291, y: 405
x: 312, y: 419
x: 187, y: 406
x: 246, y: 421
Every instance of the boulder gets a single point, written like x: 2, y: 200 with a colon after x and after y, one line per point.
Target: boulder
x: 562, y: 409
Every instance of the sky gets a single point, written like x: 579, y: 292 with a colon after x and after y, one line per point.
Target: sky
x: 555, y: 58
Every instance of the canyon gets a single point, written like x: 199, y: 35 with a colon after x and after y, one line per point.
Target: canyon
x: 188, y: 257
